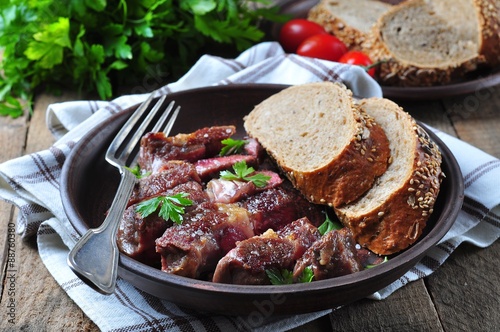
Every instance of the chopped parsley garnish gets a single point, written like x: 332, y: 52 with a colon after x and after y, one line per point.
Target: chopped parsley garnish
x: 137, y: 172
x: 328, y: 225
x: 280, y: 277
x: 307, y: 275
x: 231, y: 146
x: 285, y: 277
x: 171, y: 207
x: 242, y: 173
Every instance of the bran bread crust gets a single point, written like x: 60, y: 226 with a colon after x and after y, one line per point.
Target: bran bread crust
x: 389, y: 224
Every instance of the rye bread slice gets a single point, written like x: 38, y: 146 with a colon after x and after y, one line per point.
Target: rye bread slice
x: 393, y: 213
x: 330, y: 150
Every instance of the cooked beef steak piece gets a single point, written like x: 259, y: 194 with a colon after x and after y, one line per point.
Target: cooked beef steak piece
x: 236, y: 227
x: 229, y: 191
x: 174, y: 173
x: 247, y: 263
x: 190, y: 249
x: 156, y: 148
x: 136, y: 235
x: 302, y: 233
x: 209, y: 231
x: 277, y: 207
x: 211, y: 167
x: 333, y: 255
x: 367, y: 257
x: 253, y: 147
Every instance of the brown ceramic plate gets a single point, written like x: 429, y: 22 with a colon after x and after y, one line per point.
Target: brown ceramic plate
x: 475, y: 82
x: 88, y: 184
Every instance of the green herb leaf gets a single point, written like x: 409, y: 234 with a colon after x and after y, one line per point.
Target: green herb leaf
x: 148, y: 207
x: 172, y: 207
x: 242, y: 173
x: 279, y: 276
x: 137, y: 172
x: 48, y: 45
x: 307, y: 275
x: 285, y: 277
x: 231, y: 146
x: 328, y: 225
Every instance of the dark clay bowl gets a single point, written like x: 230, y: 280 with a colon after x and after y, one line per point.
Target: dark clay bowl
x: 88, y: 185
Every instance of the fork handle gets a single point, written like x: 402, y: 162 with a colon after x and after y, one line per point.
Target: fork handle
x: 100, y: 272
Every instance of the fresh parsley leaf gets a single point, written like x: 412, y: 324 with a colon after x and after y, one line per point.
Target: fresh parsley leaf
x: 171, y: 207
x: 279, y: 276
x: 328, y: 225
x: 307, y: 275
x: 242, y: 173
x: 231, y: 146
x: 285, y: 277
x: 137, y: 172
x: 48, y: 45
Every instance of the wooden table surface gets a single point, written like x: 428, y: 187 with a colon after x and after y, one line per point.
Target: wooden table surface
x: 463, y: 295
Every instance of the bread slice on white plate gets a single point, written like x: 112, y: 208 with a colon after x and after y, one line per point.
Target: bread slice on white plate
x: 393, y: 213
x: 330, y: 150
x: 433, y: 42
x: 348, y: 20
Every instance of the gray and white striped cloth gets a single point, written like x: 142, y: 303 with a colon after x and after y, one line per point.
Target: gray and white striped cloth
x: 31, y: 183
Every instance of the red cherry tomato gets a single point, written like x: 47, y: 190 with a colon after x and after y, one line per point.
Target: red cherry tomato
x: 326, y: 47
x: 360, y: 59
x: 295, y: 31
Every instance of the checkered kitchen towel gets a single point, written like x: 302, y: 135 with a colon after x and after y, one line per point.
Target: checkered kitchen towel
x: 32, y: 184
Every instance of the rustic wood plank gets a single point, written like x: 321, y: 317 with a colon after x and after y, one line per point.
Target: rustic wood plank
x: 471, y: 280
x: 465, y: 289
x: 405, y: 310
x: 40, y: 304
x: 476, y: 118
x: 12, y: 136
x: 320, y: 324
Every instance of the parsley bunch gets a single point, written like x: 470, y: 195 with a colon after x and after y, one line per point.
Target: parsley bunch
x: 92, y: 46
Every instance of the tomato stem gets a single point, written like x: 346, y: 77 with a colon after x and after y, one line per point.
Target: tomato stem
x: 373, y: 65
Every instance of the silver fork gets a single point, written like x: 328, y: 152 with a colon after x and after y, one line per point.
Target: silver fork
x: 94, y: 258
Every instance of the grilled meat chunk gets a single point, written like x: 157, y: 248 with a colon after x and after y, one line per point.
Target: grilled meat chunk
x: 174, y: 173
x: 333, y: 255
x: 156, y: 148
x: 211, y: 167
x: 277, y: 207
x: 247, y: 263
x: 194, y: 248
x: 229, y: 191
x: 136, y: 235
